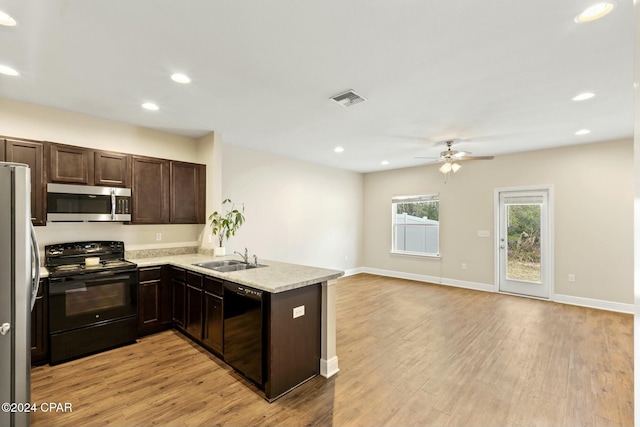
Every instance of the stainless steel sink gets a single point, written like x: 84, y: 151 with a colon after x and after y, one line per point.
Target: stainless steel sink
x: 228, y: 265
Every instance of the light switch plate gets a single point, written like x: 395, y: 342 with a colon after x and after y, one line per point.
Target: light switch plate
x: 484, y: 233
x: 298, y: 311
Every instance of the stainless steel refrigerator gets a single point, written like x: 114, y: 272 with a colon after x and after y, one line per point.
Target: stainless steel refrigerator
x: 19, y: 276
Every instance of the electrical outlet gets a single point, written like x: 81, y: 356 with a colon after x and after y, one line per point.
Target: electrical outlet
x: 158, y: 237
x: 464, y: 265
x: 209, y: 238
x: 572, y: 278
x: 298, y: 311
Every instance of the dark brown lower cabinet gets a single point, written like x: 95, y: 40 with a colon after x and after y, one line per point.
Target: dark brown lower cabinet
x: 154, y: 300
x: 40, y: 326
x: 194, y: 312
x: 213, y: 321
x: 193, y: 315
x: 292, y: 344
x: 179, y: 288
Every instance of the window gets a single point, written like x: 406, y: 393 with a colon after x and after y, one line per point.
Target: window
x: 416, y: 224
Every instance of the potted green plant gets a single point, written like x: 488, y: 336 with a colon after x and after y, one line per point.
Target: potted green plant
x: 224, y: 225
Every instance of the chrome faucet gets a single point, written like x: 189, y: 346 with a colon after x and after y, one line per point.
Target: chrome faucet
x: 245, y: 257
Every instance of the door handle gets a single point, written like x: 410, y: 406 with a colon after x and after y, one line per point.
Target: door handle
x: 4, y: 328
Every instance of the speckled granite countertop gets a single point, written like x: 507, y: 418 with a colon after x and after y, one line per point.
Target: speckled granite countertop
x: 275, y: 277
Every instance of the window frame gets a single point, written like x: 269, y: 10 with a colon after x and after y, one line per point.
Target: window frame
x: 425, y: 197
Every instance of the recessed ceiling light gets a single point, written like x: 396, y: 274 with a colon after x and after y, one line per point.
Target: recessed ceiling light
x: 150, y: 106
x: 6, y: 20
x: 583, y: 132
x: 596, y: 11
x: 384, y: 162
x: 583, y: 96
x: 180, y: 78
x: 338, y: 149
x: 8, y: 71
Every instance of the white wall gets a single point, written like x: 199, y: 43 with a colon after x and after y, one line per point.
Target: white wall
x: 593, y: 187
x: 296, y: 211
x: 23, y: 120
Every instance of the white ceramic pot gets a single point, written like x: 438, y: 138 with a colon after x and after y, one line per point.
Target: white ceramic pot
x: 219, y: 251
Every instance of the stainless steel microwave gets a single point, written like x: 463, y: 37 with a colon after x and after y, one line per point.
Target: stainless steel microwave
x: 70, y: 203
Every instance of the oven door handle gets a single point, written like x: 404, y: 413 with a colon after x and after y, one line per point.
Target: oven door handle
x: 57, y: 286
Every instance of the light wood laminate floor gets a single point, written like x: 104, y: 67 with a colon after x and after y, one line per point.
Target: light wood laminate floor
x: 410, y: 354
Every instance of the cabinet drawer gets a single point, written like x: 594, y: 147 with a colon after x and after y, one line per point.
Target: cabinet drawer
x: 178, y: 274
x: 213, y: 285
x: 149, y: 273
x: 194, y: 279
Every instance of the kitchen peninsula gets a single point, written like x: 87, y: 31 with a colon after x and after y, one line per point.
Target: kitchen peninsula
x: 295, y: 320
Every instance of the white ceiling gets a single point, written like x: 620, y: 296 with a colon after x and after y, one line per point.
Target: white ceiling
x: 498, y: 74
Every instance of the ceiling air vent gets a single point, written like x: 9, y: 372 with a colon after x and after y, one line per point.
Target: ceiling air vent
x: 348, y: 98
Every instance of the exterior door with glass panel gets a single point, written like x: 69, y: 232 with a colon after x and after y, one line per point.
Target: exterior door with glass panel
x: 523, y: 243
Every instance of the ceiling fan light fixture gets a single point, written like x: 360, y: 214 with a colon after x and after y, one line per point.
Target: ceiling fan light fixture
x: 595, y: 12
x: 445, y: 168
x: 455, y: 167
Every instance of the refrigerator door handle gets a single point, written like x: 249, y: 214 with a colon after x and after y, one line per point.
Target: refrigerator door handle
x: 35, y: 266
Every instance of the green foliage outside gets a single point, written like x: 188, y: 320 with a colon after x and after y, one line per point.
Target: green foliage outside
x: 420, y: 209
x: 524, y: 233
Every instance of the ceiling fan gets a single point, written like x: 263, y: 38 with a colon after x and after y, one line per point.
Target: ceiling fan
x: 450, y: 158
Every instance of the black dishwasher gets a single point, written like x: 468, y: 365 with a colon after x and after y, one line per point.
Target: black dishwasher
x: 243, y: 335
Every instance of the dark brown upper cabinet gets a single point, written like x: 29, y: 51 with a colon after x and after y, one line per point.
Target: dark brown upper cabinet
x: 149, y: 190
x: 30, y: 153
x: 187, y: 193
x: 69, y: 164
x: 111, y: 169
x: 2, y: 149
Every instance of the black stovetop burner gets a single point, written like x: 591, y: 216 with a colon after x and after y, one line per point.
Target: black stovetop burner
x: 69, y: 258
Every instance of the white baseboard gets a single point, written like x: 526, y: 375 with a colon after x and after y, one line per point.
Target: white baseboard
x: 563, y: 299
x: 329, y: 368
x: 429, y: 279
x: 353, y: 271
x: 594, y: 303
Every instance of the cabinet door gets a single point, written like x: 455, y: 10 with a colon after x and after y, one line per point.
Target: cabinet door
x: 2, y: 150
x: 187, y: 193
x: 111, y: 169
x: 30, y: 153
x: 178, y: 302
x: 40, y: 327
x: 150, y: 190
x: 69, y: 164
x: 166, y: 297
x: 194, y: 312
x: 148, y: 303
x: 213, y: 320
x: 149, y: 300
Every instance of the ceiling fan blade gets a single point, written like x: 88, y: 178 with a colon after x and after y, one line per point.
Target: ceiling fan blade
x: 476, y: 158
x: 432, y: 157
x: 460, y: 154
x: 431, y: 162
